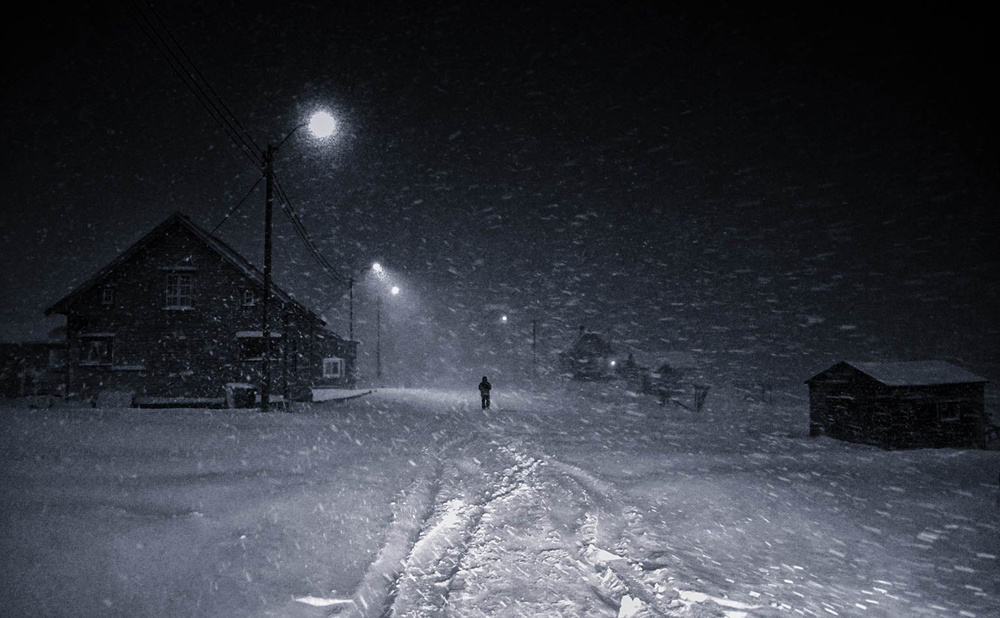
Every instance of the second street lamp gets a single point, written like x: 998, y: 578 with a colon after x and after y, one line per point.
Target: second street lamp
x: 321, y: 124
x: 378, y: 332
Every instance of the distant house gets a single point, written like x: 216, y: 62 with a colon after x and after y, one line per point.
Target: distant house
x: 899, y: 404
x: 589, y: 358
x: 177, y: 316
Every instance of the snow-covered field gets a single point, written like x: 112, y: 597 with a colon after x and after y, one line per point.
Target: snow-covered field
x: 580, y: 502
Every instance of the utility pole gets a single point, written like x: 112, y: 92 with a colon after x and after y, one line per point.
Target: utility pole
x: 351, y: 337
x: 265, y: 388
x: 534, y: 342
x: 378, y: 338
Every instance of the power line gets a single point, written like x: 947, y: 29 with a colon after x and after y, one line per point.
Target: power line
x: 242, y: 130
x: 218, y: 111
x: 235, y: 208
x: 195, y: 81
x: 300, y: 231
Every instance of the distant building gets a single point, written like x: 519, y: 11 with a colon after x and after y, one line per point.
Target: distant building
x: 899, y: 404
x: 177, y: 317
x: 589, y: 358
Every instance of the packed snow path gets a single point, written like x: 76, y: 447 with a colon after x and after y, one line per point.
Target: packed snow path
x: 585, y: 502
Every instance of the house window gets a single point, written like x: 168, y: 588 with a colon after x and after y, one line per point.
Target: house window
x: 96, y: 350
x: 249, y: 298
x: 333, y: 367
x: 949, y: 410
x: 57, y: 359
x: 252, y: 345
x: 108, y: 296
x: 252, y: 348
x: 180, y: 291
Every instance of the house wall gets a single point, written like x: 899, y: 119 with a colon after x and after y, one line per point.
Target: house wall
x: 28, y: 369
x: 162, y: 352
x: 847, y: 404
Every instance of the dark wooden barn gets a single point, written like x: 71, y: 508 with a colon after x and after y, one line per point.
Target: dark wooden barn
x: 914, y: 404
x: 177, y: 318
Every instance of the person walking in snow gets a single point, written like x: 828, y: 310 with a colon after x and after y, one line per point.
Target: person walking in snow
x: 484, y: 392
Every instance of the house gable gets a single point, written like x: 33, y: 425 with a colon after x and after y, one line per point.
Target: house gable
x: 179, y: 312
x: 194, y: 245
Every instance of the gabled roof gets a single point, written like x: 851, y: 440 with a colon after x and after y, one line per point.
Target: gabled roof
x: 588, y: 344
x: 177, y: 219
x: 912, y: 373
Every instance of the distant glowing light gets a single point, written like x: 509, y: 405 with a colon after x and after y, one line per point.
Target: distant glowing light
x: 613, y: 363
x: 322, y: 124
x: 503, y: 319
x: 377, y: 267
x: 395, y: 290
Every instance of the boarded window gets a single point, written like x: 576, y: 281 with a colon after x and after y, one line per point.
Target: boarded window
x: 180, y: 291
x: 108, y: 295
x: 252, y: 345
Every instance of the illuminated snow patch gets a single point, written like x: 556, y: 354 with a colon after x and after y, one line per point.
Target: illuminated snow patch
x: 321, y: 602
x: 690, y: 597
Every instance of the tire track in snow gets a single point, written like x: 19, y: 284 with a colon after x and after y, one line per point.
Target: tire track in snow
x: 424, y: 587
x: 373, y: 597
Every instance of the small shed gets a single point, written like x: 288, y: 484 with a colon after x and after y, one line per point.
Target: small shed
x: 913, y: 404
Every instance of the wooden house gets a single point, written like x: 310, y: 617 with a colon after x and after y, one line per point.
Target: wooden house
x: 899, y: 404
x: 176, y: 318
x: 589, y: 358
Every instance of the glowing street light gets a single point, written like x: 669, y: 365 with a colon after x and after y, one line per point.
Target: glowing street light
x: 321, y: 124
x: 377, y: 269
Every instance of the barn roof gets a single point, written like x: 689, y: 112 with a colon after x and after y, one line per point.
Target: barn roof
x: 914, y: 373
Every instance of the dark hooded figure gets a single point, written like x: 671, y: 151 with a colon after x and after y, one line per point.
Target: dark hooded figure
x: 484, y: 391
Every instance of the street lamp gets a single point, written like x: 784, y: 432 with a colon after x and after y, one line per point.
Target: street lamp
x: 377, y: 268
x: 321, y: 124
x: 378, y: 331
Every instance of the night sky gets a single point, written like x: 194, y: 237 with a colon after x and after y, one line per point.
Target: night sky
x: 775, y: 190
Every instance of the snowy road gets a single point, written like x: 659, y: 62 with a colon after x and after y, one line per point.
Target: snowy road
x: 418, y: 503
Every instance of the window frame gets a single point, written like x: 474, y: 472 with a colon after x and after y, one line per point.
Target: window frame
x: 249, y: 298
x: 105, y: 356
x: 174, y: 285
x: 335, y: 361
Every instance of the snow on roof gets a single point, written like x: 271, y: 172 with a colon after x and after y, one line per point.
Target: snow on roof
x: 916, y: 373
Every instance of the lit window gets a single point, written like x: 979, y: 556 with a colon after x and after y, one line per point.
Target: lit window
x: 180, y: 291
x: 96, y: 351
x: 333, y: 367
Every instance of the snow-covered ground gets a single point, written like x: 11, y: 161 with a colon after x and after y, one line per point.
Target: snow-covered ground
x: 580, y: 501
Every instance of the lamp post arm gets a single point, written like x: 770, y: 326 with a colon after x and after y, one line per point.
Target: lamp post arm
x: 274, y: 149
